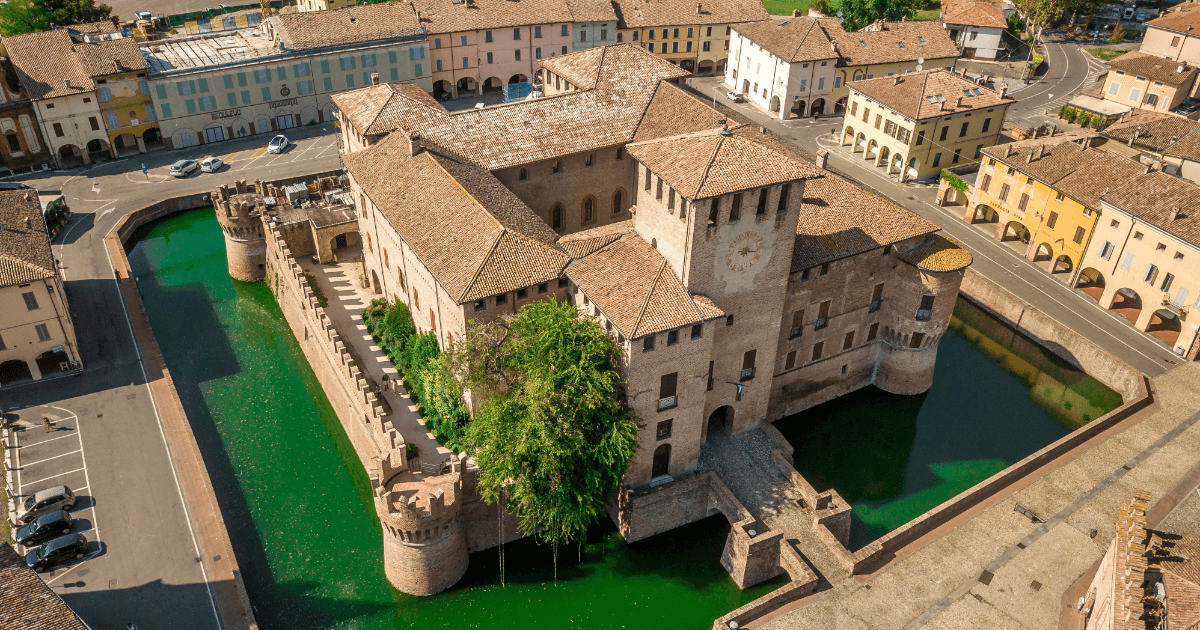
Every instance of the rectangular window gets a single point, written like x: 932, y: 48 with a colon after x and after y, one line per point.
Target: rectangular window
x: 937, y: 157
x: 324, y: 70
x: 672, y: 337
x: 437, y: 43
x: 748, y: 365
x: 392, y: 57
x: 1151, y: 274
x: 263, y: 75
x: 150, y: 114
x: 184, y: 88
x: 650, y: 46
x: 648, y: 344
x: 2, y: 346
x: 105, y: 94
x: 916, y: 340
x: 1106, y: 250
x: 816, y: 351
x: 1003, y: 196
x: 790, y: 362
x: 1024, y: 201
x: 1113, y: 88
x: 418, y: 70
x: 31, y: 303
x: 191, y: 105
x: 822, y: 315
x: 697, y: 331
x: 945, y: 130
x: 963, y: 131
x: 166, y: 111
x: 1174, y: 41
x: 667, y: 391
x: 1166, y: 283
x: 516, y: 34
x: 797, y: 327
x: 537, y: 53
x: 231, y: 99
x: 489, y: 58
x: 920, y: 137
x: 925, y: 309
x: 837, y: 82
x: 487, y: 37
x: 674, y: 47
x: 1135, y: 93
x: 112, y: 122
x: 1180, y: 298
x: 1052, y: 220
x: 304, y: 87
x: 1079, y: 232
x: 537, y: 32
x: 1128, y: 262
x: 207, y: 103
x: 866, y: 114
x: 42, y: 332
x: 663, y: 430
x: 957, y: 155
x: 517, y: 54
x: 280, y: 73
x: 439, y: 65
x: 466, y: 62
x: 986, y: 183
x: 873, y: 331
x: 162, y: 91
x: 987, y: 122
x: 735, y: 208
x: 266, y: 92
x: 848, y: 342
x: 565, y: 32
x: 878, y: 120
x: 854, y: 108
x: 783, y: 197
x: 326, y: 82
x: 762, y: 203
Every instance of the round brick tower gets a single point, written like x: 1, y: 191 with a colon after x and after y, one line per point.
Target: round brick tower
x: 424, y: 541
x: 239, y: 211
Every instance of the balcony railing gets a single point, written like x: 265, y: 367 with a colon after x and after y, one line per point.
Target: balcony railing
x: 821, y: 323
x: 747, y: 373
x: 667, y: 403
x: 924, y: 314
x: 874, y: 306
x: 795, y: 332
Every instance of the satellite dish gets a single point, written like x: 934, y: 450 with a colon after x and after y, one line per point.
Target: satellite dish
x: 919, y: 68
x: 920, y: 60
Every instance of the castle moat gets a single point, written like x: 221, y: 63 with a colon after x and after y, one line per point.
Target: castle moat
x: 299, y: 507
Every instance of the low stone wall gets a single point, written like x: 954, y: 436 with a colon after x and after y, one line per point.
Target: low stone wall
x: 136, y: 219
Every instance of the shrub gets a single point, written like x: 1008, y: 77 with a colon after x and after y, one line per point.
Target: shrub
x: 1062, y: 111
x: 1072, y: 115
x: 1084, y: 120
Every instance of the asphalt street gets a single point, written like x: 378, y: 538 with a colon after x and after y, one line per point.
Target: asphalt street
x: 107, y: 442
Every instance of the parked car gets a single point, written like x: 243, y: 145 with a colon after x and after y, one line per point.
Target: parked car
x: 209, y: 10
x: 44, y: 528
x: 183, y: 168
x: 1128, y: 14
x: 142, y: 15
x: 1141, y: 16
x: 279, y: 144
x: 56, y: 552
x: 211, y: 165
x: 224, y: 7
x: 45, y: 501
x: 736, y: 97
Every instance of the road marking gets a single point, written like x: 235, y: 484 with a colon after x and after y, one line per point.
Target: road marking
x: 229, y: 157
x: 171, y: 456
x: 40, y: 461
x: 53, y: 476
x: 45, y: 441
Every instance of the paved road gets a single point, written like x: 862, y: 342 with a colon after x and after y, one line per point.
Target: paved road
x: 108, y: 441
x: 1071, y: 71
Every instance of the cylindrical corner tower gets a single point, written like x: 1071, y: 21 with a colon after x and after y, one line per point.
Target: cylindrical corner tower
x: 917, y: 322
x: 239, y: 211
x: 424, y: 541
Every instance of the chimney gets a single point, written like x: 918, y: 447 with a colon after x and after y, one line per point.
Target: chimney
x: 374, y: 78
x: 896, y: 79
x: 822, y: 157
x: 958, y: 102
x: 1133, y: 137
x: 1007, y: 150
x: 1180, y: 68
x: 414, y: 144
x: 1149, y: 167
x: 1175, y: 213
x: 28, y: 223
x: 795, y: 12
x: 762, y: 130
x: 698, y: 11
x: 1002, y: 89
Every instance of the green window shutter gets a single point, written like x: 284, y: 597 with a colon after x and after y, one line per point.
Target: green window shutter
x: 241, y: 79
x: 245, y: 97
x: 266, y: 92
x: 191, y: 106
x: 282, y: 72
x: 162, y: 91
x: 391, y: 56
x: 203, y: 85
x: 353, y: 61
x: 166, y: 109
x: 232, y: 98
x: 366, y: 78
x: 395, y: 74
x: 328, y: 84
x: 418, y: 70
x: 192, y: 84
x: 325, y: 66
x: 228, y: 82
x: 349, y: 80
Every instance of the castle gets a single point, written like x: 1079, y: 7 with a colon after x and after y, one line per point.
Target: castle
x: 742, y: 282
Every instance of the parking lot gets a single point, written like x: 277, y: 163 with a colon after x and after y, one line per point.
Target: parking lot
x: 42, y: 457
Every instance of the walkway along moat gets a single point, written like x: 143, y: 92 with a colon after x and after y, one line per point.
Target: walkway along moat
x: 298, y: 504
x: 997, y: 396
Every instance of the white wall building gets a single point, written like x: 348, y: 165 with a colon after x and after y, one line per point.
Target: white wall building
x: 786, y: 67
x: 977, y: 27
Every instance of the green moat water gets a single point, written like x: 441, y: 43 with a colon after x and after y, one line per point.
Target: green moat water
x: 298, y: 502
x: 997, y: 397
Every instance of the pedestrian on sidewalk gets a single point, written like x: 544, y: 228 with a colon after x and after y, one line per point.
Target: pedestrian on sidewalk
x: 131, y: 627
x: 49, y: 425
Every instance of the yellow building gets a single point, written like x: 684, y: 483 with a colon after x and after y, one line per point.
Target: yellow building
x: 118, y: 70
x: 692, y: 35
x: 915, y: 125
x: 37, y: 336
x: 1045, y: 194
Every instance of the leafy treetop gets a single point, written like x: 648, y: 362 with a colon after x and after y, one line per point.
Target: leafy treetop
x: 32, y: 16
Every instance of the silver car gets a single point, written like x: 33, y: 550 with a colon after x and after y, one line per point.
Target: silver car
x: 183, y: 168
x: 46, y: 501
x: 278, y: 144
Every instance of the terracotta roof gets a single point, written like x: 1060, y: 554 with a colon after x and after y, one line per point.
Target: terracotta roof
x: 672, y: 111
x: 1060, y: 161
x: 628, y: 80
x: 973, y: 13
x: 1156, y: 68
x: 94, y: 28
x: 25, y: 254
x: 1185, y: 19
x: 635, y: 287
x: 581, y: 244
x: 110, y: 57
x: 929, y: 94
x: 369, y: 22
x: 26, y: 601
x: 645, y: 13
x: 486, y: 241
x: 1158, y: 132
x: 896, y: 42
x: 47, y: 65
x: 446, y: 16
x: 378, y: 109
x: 795, y: 39
x: 938, y: 254
x: 839, y: 219
x: 1152, y: 197
x: 580, y: 69
x: 717, y: 162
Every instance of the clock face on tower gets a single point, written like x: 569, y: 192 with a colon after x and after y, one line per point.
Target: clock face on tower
x: 744, y: 251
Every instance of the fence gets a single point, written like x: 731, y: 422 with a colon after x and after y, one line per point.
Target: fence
x: 517, y: 91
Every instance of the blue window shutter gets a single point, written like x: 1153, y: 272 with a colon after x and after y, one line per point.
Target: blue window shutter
x: 113, y: 123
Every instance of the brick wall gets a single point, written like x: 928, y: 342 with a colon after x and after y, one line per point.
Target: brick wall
x: 611, y: 171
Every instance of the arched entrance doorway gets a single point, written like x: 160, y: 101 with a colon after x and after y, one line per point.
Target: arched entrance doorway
x: 706, y: 67
x: 1165, y: 325
x: 70, y: 155
x: 817, y: 108
x: 799, y: 107
x: 719, y: 421
x: 375, y: 283
x: 840, y: 106
x: 14, y: 371
x: 662, y: 461
x: 466, y: 84
x: 848, y: 136
x: 1043, y: 252
x: 1128, y: 303
x: 884, y: 154
x: 443, y: 90
x: 860, y: 143
x: 126, y: 144
x: 518, y: 78
x: 1062, y: 264
x: 492, y: 85
x: 51, y: 362
x: 1015, y: 231
x: 687, y: 64
x: 97, y: 148
x: 720, y: 67
x: 984, y: 213
x: 1091, y: 282
x: 774, y: 104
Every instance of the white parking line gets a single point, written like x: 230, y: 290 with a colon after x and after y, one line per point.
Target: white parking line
x: 33, y: 483
x: 40, y: 461
x: 61, y: 437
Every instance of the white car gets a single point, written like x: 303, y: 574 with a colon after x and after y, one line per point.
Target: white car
x: 736, y: 97
x: 183, y: 168
x: 211, y: 165
x: 279, y: 144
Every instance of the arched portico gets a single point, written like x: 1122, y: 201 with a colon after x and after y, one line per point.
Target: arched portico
x: 775, y: 104
x: 1043, y: 252
x: 1091, y: 282
x: 884, y: 155
x: 14, y: 371
x: 799, y: 106
x: 848, y: 136
x: 983, y: 213
x: 1014, y: 231
x: 872, y: 151
x: 466, y: 84
x: 443, y: 90
x: 720, y: 420
x: 518, y: 78
x: 817, y: 108
x: 840, y: 106
x: 1062, y: 265
x: 492, y: 85
x: 1127, y: 302
x: 705, y: 67
x: 127, y: 144
x: 1165, y: 325
x: 860, y: 143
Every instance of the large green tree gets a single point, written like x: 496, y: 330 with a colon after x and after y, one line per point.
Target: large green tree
x: 552, y: 433
x: 31, y: 16
x: 860, y: 13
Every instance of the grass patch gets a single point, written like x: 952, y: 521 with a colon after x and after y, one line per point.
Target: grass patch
x: 322, y: 301
x: 1106, y: 54
x: 785, y: 7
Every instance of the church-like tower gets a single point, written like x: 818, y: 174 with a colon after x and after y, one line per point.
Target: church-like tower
x: 239, y: 211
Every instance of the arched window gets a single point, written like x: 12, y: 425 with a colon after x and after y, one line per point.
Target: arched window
x: 370, y: 248
x: 662, y: 461
x: 589, y: 210
x: 524, y: 175
x: 386, y: 262
x: 400, y: 277
x: 618, y: 199
x: 416, y: 299
x: 13, y: 143
x: 556, y: 217
x: 432, y: 321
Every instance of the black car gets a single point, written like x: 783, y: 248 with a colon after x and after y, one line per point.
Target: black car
x: 57, y: 551
x: 44, y: 528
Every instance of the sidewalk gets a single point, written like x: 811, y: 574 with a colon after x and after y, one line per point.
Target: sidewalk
x: 341, y: 284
